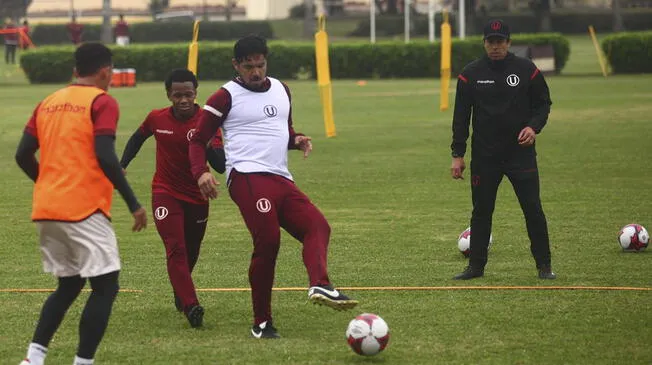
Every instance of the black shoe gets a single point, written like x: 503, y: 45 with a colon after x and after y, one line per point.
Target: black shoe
x: 178, y: 304
x: 264, y: 330
x: 195, y: 316
x: 469, y: 273
x: 545, y: 272
x: 329, y: 296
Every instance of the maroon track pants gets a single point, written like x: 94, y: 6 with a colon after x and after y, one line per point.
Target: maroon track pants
x: 267, y: 203
x: 181, y: 226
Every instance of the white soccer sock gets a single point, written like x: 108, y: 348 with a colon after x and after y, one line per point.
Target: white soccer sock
x: 82, y: 361
x: 36, y: 353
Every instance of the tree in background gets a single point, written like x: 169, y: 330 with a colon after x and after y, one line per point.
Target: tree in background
x: 618, y: 16
x: 157, y: 7
x: 541, y: 10
x: 13, y: 9
x: 389, y: 7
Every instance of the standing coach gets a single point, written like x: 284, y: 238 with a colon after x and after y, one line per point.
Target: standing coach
x: 510, y: 103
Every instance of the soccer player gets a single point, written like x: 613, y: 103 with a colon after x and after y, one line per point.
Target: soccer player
x: 121, y: 31
x: 11, y: 42
x: 180, y: 210
x: 74, y: 128
x: 510, y: 102
x: 75, y: 30
x: 254, y: 112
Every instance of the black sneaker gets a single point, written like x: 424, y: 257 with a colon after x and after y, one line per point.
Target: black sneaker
x: 177, y: 303
x: 264, y: 330
x: 329, y: 296
x: 469, y: 273
x: 195, y: 316
x: 545, y: 272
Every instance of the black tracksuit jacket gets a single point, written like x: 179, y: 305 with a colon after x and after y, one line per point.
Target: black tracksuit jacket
x: 503, y: 97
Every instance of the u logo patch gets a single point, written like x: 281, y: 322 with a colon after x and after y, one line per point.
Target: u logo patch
x: 160, y: 213
x: 263, y: 205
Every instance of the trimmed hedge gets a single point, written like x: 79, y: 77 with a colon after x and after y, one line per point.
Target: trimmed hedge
x: 629, y: 52
x: 158, y: 32
x: 286, y: 60
x: 566, y: 23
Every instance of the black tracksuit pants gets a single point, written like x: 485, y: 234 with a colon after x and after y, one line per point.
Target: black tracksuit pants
x: 486, y: 176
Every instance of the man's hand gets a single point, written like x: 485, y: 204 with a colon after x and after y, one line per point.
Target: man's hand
x: 140, y: 220
x: 303, y: 143
x: 208, y: 185
x: 457, y: 168
x: 526, y: 137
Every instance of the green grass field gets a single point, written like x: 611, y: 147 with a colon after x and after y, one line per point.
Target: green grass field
x: 384, y: 184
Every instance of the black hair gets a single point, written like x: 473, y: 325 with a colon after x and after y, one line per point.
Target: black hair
x: 249, y: 46
x: 180, y: 75
x: 91, y: 57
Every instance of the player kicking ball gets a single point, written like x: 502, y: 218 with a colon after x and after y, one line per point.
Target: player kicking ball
x: 255, y: 114
x: 180, y: 210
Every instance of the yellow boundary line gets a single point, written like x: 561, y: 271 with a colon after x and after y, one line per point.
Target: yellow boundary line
x: 42, y: 290
x: 433, y: 288
x: 381, y: 288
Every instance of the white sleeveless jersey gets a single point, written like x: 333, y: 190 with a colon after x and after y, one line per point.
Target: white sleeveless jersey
x: 256, y: 130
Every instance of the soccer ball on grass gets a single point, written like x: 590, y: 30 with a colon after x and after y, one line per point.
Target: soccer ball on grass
x: 464, y: 242
x: 367, y: 334
x: 633, y: 237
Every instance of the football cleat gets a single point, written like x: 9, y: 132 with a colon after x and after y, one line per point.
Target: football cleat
x: 195, y: 316
x: 469, y: 273
x: 545, y: 272
x: 330, y: 297
x: 264, y: 330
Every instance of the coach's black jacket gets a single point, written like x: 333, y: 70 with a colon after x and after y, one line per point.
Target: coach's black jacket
x: 505, y: 96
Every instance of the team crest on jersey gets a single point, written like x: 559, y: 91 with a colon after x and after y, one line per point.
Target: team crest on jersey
x: 270, y: 111
x: 263, y: 205
x: 513, y: 80
x: 160, y: 213
x: 190, y: 134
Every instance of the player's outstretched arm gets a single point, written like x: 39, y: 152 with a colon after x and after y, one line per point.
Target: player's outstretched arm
x: 25, y: 155
x: 134, y: 144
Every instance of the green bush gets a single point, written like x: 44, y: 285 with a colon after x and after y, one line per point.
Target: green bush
x: 629, y: 52
x: 286, y: 60
x: 49, y: 34
x: 158, y: 32
x: 567, y: 23
x: 48, y: 64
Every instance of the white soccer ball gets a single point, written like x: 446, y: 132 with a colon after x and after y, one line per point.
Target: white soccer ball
x: 464, y: 242
x: 367, y: 334
x: 633, y: 237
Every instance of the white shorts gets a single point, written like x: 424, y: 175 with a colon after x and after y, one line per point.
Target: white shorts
x: 87, y: 248
x: 122, y: 40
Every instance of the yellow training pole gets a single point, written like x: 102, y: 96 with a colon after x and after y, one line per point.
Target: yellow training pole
x: 598, y: 51
x: 193, y: 49
x: 445, y: 71
x: 324, y: 76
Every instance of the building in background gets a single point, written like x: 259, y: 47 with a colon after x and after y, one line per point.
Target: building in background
x: 269, y: 9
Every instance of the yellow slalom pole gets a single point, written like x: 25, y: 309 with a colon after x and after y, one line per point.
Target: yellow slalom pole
x: 193, y: 49
x: 445, y: 70
x: 324, y: 76
x: 598, y: 51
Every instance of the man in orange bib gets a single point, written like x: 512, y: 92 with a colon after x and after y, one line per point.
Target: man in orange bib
x: 77, y: 170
